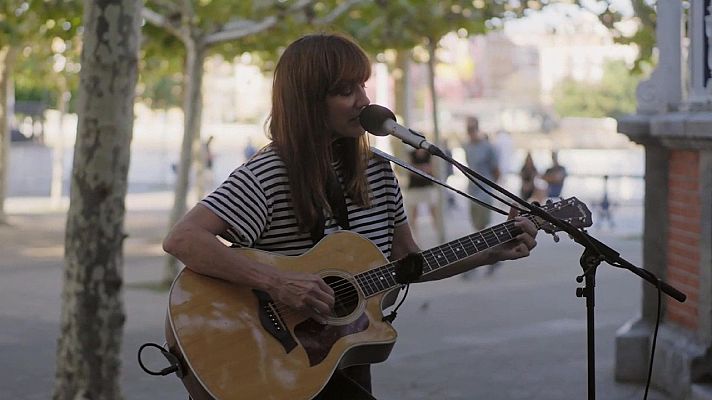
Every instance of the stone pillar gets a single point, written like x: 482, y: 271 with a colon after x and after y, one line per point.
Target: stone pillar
x: 633, y: 339
x: 677, y: 247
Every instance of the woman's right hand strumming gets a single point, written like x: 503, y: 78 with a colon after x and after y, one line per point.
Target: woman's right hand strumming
x: 304, y: 292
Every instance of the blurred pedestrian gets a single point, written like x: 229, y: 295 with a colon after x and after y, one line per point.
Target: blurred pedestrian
x: 420, y: 191
x: 207, y: 153
x: 605, y: 214
x: 504, y: 145
x: 449, y: 171
x: 554, y: 176
x: 528, y: 174
x: 205, y: 176
x: 249, y: 150
x: 481, y: 156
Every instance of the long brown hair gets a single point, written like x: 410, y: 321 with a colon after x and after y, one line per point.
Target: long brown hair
x: 310, y: 69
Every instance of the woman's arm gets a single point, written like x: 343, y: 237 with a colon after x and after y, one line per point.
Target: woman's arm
x: 193, y: 241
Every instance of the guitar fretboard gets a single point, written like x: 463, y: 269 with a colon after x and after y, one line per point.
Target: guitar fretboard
x: 383, y: 278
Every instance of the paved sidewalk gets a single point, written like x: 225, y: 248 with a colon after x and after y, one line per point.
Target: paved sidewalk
x: 518, y: 333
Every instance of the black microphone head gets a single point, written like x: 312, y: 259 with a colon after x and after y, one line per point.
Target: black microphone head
x: 372, y: 118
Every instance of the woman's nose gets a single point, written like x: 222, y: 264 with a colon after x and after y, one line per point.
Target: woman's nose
x: 362, y: 99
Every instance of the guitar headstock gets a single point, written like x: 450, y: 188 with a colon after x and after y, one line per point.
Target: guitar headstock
x: 571, y: 210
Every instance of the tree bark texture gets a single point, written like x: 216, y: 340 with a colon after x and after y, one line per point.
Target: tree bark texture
x: 8, y: 55
x: 192, y: 107
x: 402, y: 92
x: 92, y: 318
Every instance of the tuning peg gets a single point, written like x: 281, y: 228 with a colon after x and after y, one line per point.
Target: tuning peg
x: 555, y: 236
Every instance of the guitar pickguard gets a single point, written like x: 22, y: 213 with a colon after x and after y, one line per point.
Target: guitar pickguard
x: 318, y: 339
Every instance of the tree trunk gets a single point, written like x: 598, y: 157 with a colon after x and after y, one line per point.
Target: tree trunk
x: 439, y: 164
x: 92, y: 319
x: 192, y: 105
x: 8, y: 54
x: 402, y: 97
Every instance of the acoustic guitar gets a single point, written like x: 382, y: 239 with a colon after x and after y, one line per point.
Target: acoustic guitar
x: 237, y: 343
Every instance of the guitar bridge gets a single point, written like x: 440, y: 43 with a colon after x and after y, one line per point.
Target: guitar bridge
x: 272, y: 322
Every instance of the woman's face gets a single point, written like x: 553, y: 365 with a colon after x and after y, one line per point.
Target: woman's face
x: 343, y: 109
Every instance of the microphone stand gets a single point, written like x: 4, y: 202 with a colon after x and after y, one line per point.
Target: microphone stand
x: 594, y: 253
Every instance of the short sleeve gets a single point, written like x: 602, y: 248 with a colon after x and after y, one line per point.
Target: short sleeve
x: 240, y: 201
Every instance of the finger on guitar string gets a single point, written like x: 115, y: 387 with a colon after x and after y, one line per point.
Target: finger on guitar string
x: 513, y: 212
x: 320, y: 308
x: 527, y: 240
x: 326, y: 295
x: 526, y: 225
x: 303, y: 292
x: 522, y: 249
x: 325, y: 287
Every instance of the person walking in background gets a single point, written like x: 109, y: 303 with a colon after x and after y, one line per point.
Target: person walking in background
x: 208, y: 160
x: 528, y: 174
x: 249, y: 150
x: 449, y: 171
x: 605, y: 214
x: 554, y: 177
x: 207, y: 152
x: 481, y: 156
x: 504, y: 146
x: 420, y: 190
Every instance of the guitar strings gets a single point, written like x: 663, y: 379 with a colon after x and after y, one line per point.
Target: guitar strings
x: 346, y: 285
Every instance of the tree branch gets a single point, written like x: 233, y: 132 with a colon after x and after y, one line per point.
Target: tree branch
x: 167, y: 4
x: 336, y: 12
x: 239, y: 29
x: 161, y: 21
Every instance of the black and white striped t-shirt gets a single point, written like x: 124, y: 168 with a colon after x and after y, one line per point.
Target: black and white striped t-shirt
x: 255, y: 201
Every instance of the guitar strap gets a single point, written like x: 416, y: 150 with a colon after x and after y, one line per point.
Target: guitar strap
x: 337, y: 204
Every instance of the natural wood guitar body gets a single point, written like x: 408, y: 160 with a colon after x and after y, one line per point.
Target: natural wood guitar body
x: 217, y: 327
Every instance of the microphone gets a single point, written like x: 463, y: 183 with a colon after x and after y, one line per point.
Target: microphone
x: 381, y: 121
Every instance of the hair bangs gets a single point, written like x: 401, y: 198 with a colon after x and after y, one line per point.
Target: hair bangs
x: 347, y: 63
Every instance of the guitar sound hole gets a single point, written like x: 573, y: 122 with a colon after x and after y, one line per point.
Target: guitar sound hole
x: 346, y: 296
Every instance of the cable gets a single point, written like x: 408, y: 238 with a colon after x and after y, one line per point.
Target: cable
x: 393, y: 314
x: 655, y: 338
x: 172, y: 359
